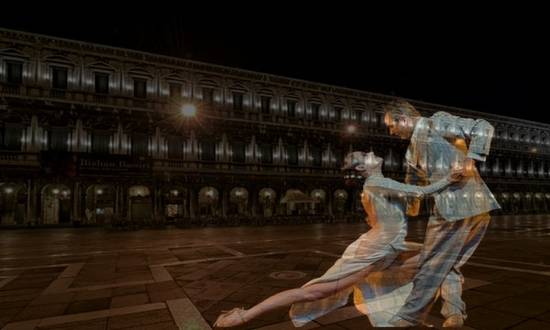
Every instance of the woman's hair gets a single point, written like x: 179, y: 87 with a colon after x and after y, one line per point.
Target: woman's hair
x: 401, y: 107
x: 356, y: 158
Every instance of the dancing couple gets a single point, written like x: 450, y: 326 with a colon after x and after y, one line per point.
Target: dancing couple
x: 391, y: 284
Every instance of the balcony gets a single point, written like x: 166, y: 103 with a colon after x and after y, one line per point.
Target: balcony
x: 84, y: 164
x: 10, y: 89
x: 18, y: 159
x: 176, y: 165
x: 78, y: 96
x: 221, y: 112
x: 58, y: 93
x: 218, y: 111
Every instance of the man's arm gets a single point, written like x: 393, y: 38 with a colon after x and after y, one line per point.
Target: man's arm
x: 412, y: 177
x: 478, y: 131
x: 480, y: 134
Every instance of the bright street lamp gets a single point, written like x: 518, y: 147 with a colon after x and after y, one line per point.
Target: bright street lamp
x: 189, y: 110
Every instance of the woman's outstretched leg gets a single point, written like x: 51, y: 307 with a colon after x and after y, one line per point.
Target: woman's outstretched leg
x: 312, y: 292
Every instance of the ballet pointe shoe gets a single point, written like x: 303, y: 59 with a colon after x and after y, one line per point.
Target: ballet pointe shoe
x: 230, y: 318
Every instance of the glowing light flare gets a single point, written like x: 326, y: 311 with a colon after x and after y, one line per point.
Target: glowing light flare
x: 189, y: 110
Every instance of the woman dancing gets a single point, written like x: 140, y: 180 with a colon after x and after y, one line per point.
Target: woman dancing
x: 382, y: 200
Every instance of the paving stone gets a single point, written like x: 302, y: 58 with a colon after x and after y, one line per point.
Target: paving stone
x: 65, y: 297
x: 356, y: 323
x: 138, y: 320
x: 93, y: 294
x: 89, y: 305
x: 513, y: 298
x: 483, y: 318
x: 98, y: 324
x: 126, y: 290
x: 129, y: 300
x: 41, y: 311
x: 531, y: 325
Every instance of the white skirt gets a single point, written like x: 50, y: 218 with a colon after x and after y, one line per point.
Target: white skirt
x: 379, y: 295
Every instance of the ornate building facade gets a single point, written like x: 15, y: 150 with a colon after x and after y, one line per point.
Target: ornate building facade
x: 91, y: 134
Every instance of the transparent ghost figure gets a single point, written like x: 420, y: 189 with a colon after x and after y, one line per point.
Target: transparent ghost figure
x: 378, y: 267
x: 382, y: 292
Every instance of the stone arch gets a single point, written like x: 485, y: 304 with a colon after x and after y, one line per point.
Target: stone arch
x: 140, y: 207
x: 175, y: 202
x: 320, y: 197
x: 239, y: 201
x: 341, y: 197
x: 267, y: 198
x: 100, y: 204
x: 209, y: 198
x: 55, y: 204
x: 13, y: 198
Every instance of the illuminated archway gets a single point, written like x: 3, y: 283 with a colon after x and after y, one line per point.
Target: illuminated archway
x: 13, y: 197
x: 100, y: 204
x: 139, y: 204
x: 56, y: 204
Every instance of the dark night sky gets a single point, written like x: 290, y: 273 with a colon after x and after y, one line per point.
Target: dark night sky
x: 466, y: 61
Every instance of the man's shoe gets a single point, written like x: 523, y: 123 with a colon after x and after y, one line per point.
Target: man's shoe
x: 401, y: 323
x: 454, y: 321
x: 427, y: 325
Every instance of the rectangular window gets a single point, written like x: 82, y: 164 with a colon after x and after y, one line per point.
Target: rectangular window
x: 238, y: 101
x: 316, y: 155
x: 266, y: 104
x: 292, y: 151
x: 337, y: 113
x: 315, y: 111
x: 140, y: 88
x: 175, y: 90
x: 59, y: 78
x: 238, y: 152
x: 208, y: 150
x: 140, y: 145
x: 357, y: 116
x: 208, y: 95
x: 100, y: 142
x: 339, y: 154
x: 58, y: 139
x: 101, y: 83
x: 267, y: 153
x: 14, y: 74
x: 11, y: 137
x: 379, y: 119
x: 291, y: 108
x: 175, y: 147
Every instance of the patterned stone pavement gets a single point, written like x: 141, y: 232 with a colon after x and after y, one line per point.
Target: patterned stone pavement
x: 91, y: 278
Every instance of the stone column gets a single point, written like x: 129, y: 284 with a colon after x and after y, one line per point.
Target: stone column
x: 192, y: 203
x: 253, y: 194
x: 329, y: 201
x: 76, y: 202
x: 116, y: 211
x: 35, y: 195
x: 28, y: 211
x: 129, y: 211
x: 155, y: 201
x: 224, y: 202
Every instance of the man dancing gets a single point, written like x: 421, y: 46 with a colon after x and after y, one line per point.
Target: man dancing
x: 460, y: 216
